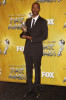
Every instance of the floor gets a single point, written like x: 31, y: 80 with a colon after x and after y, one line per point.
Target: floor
x: 16, y: 91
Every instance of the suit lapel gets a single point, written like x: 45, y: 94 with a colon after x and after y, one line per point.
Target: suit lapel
x: 37, y: 21
x: 30, y: 23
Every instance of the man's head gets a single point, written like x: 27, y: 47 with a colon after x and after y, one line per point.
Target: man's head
x: 35, y: 8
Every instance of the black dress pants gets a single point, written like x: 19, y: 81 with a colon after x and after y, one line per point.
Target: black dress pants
x: 30, y: 61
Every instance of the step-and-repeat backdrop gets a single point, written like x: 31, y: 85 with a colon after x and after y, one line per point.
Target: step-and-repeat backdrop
x: 12, y: 63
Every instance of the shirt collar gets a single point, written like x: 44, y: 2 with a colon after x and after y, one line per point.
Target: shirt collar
x: 35, y: 18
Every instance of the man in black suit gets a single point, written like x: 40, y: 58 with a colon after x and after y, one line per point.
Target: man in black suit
x: 37, y: 31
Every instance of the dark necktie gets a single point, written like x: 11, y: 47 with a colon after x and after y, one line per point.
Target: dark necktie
x: 33, y: 23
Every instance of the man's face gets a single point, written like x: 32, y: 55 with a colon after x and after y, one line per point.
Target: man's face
x: 35, y: 9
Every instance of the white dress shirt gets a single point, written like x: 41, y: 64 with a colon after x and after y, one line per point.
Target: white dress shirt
x: 34, y: 19
x: 34, y: 22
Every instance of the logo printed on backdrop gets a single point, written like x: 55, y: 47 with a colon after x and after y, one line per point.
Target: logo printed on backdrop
x: 17, y: 72
x: 64, y: 13
x: 64, y: 25
x: 2, y: 3
x: 48, y: 74
x: 48, y: 1
x: 65, y: 75
x: 6, y: 47
x: 48, y: 48
x: 16, y: 22
x: 50, y: 21
x: 20, y: 48
x: 64, y: 79
x: 61, y: 43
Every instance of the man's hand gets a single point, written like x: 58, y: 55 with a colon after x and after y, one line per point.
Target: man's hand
x: 27, y: 37
x: 24, y: 36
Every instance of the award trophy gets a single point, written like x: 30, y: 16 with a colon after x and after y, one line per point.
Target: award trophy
x: 24, y: 27
x: 4, y: 2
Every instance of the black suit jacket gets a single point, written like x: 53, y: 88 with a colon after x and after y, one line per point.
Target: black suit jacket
x: 38, y: 33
